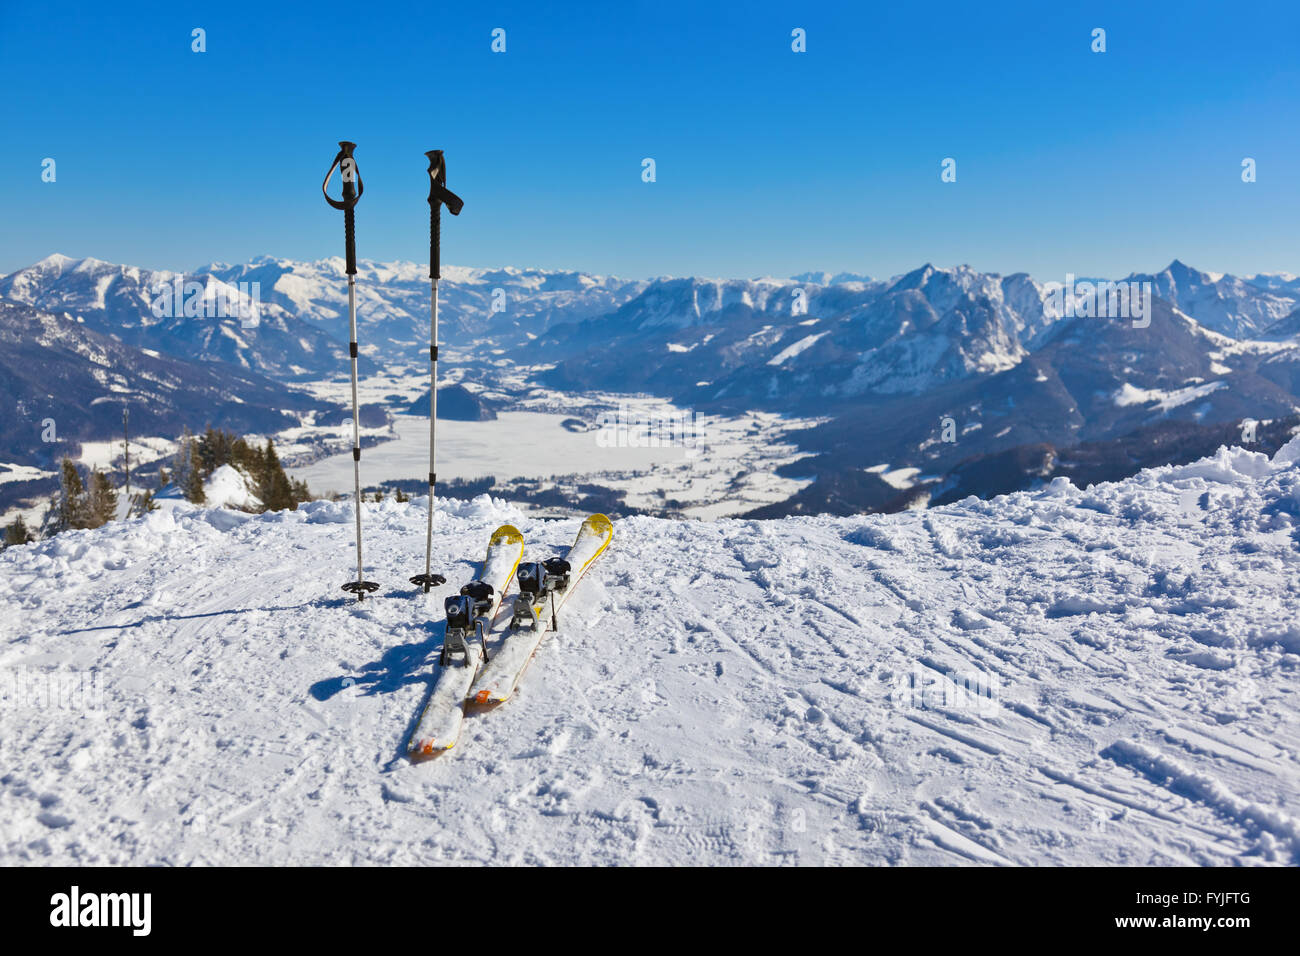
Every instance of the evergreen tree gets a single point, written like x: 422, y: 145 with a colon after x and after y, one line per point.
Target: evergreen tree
x: 274, y: 487
x: 145, y: 503
x: 193, y: 489
x: 17, y: 533
x: 72, y: 498
x: 102, y: 504
x: 49, y: 525
x: 401, y: 495
x: 300, y: 492
x: 210, y: 451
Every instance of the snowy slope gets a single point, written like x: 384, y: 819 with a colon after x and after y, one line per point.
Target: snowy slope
x: 722, y: 692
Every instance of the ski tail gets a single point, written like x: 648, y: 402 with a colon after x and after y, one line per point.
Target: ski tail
x: 438, y: 728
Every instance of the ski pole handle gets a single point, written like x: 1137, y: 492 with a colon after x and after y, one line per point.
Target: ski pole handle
x: 350, y: 173
x: 438, y: 195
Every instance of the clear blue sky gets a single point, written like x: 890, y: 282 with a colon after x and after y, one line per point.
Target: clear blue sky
x: 769, y: 162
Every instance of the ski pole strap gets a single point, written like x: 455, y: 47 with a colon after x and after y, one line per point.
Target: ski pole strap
x: 439, y: 195
x: 352, y: 189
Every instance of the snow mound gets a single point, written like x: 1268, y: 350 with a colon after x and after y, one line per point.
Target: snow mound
x: 228, y: 487
x: 1083, y: 676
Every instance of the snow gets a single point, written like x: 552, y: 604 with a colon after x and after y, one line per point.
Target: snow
x: 17, y: 472
x: 901, y: 478
x: 228, y: 487
x: 473, y: 450
x: 1165, y: 400
x: 731, y: 470
x: 790, y: 351
x: 1100, y: 676
x: 108, y: 454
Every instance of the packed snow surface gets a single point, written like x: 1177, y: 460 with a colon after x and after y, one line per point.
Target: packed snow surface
x: 1059, y: 677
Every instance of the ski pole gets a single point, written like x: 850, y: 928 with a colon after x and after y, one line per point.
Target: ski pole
x: 438, y: 195
x: 346, y: 164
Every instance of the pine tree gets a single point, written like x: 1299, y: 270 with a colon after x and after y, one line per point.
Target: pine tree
x: 193, y: 489
x: 17, y: 533
x: 72, y: 495
x: 263, y: 471
x: 102, y: 504
x: 401, y: 495
x: 274, y: 487
x: 210, y: 451
x: 300, y: 492
x: 49, y: 525
x: 145, y: 503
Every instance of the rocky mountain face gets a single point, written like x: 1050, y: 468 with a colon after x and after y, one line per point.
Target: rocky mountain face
x: 1241, y: 308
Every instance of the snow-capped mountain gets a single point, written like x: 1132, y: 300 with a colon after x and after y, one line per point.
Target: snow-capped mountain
x: 1283, y: 329
x: 838, y: 278
x: 1281, y: 282
x: 1223, y: 303
x: 1088, y: 380
x: 477, y: 308
x: 793, y: 344
x: 193, y: 316
x: 1010, y: 360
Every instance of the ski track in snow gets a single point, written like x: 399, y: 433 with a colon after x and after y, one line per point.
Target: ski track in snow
x: 722, y: 692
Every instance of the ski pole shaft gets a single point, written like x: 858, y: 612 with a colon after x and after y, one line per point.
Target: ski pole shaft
x: 438, y: 196
x: 356, y: 425
x: 433, y: 418
x: 437, y: 179
x: 352, y: 189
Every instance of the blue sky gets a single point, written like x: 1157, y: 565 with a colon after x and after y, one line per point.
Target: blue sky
x: 768, y: 161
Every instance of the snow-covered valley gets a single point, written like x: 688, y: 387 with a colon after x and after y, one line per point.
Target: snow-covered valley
x: 1059, y: 677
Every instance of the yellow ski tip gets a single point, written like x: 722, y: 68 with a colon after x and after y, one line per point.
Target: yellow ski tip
x: 508, y: 534
x: 599, y: 525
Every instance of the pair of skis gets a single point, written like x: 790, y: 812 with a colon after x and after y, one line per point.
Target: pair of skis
x: 463, y: 675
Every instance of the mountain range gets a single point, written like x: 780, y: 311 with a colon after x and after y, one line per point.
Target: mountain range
x: 931, y: 370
